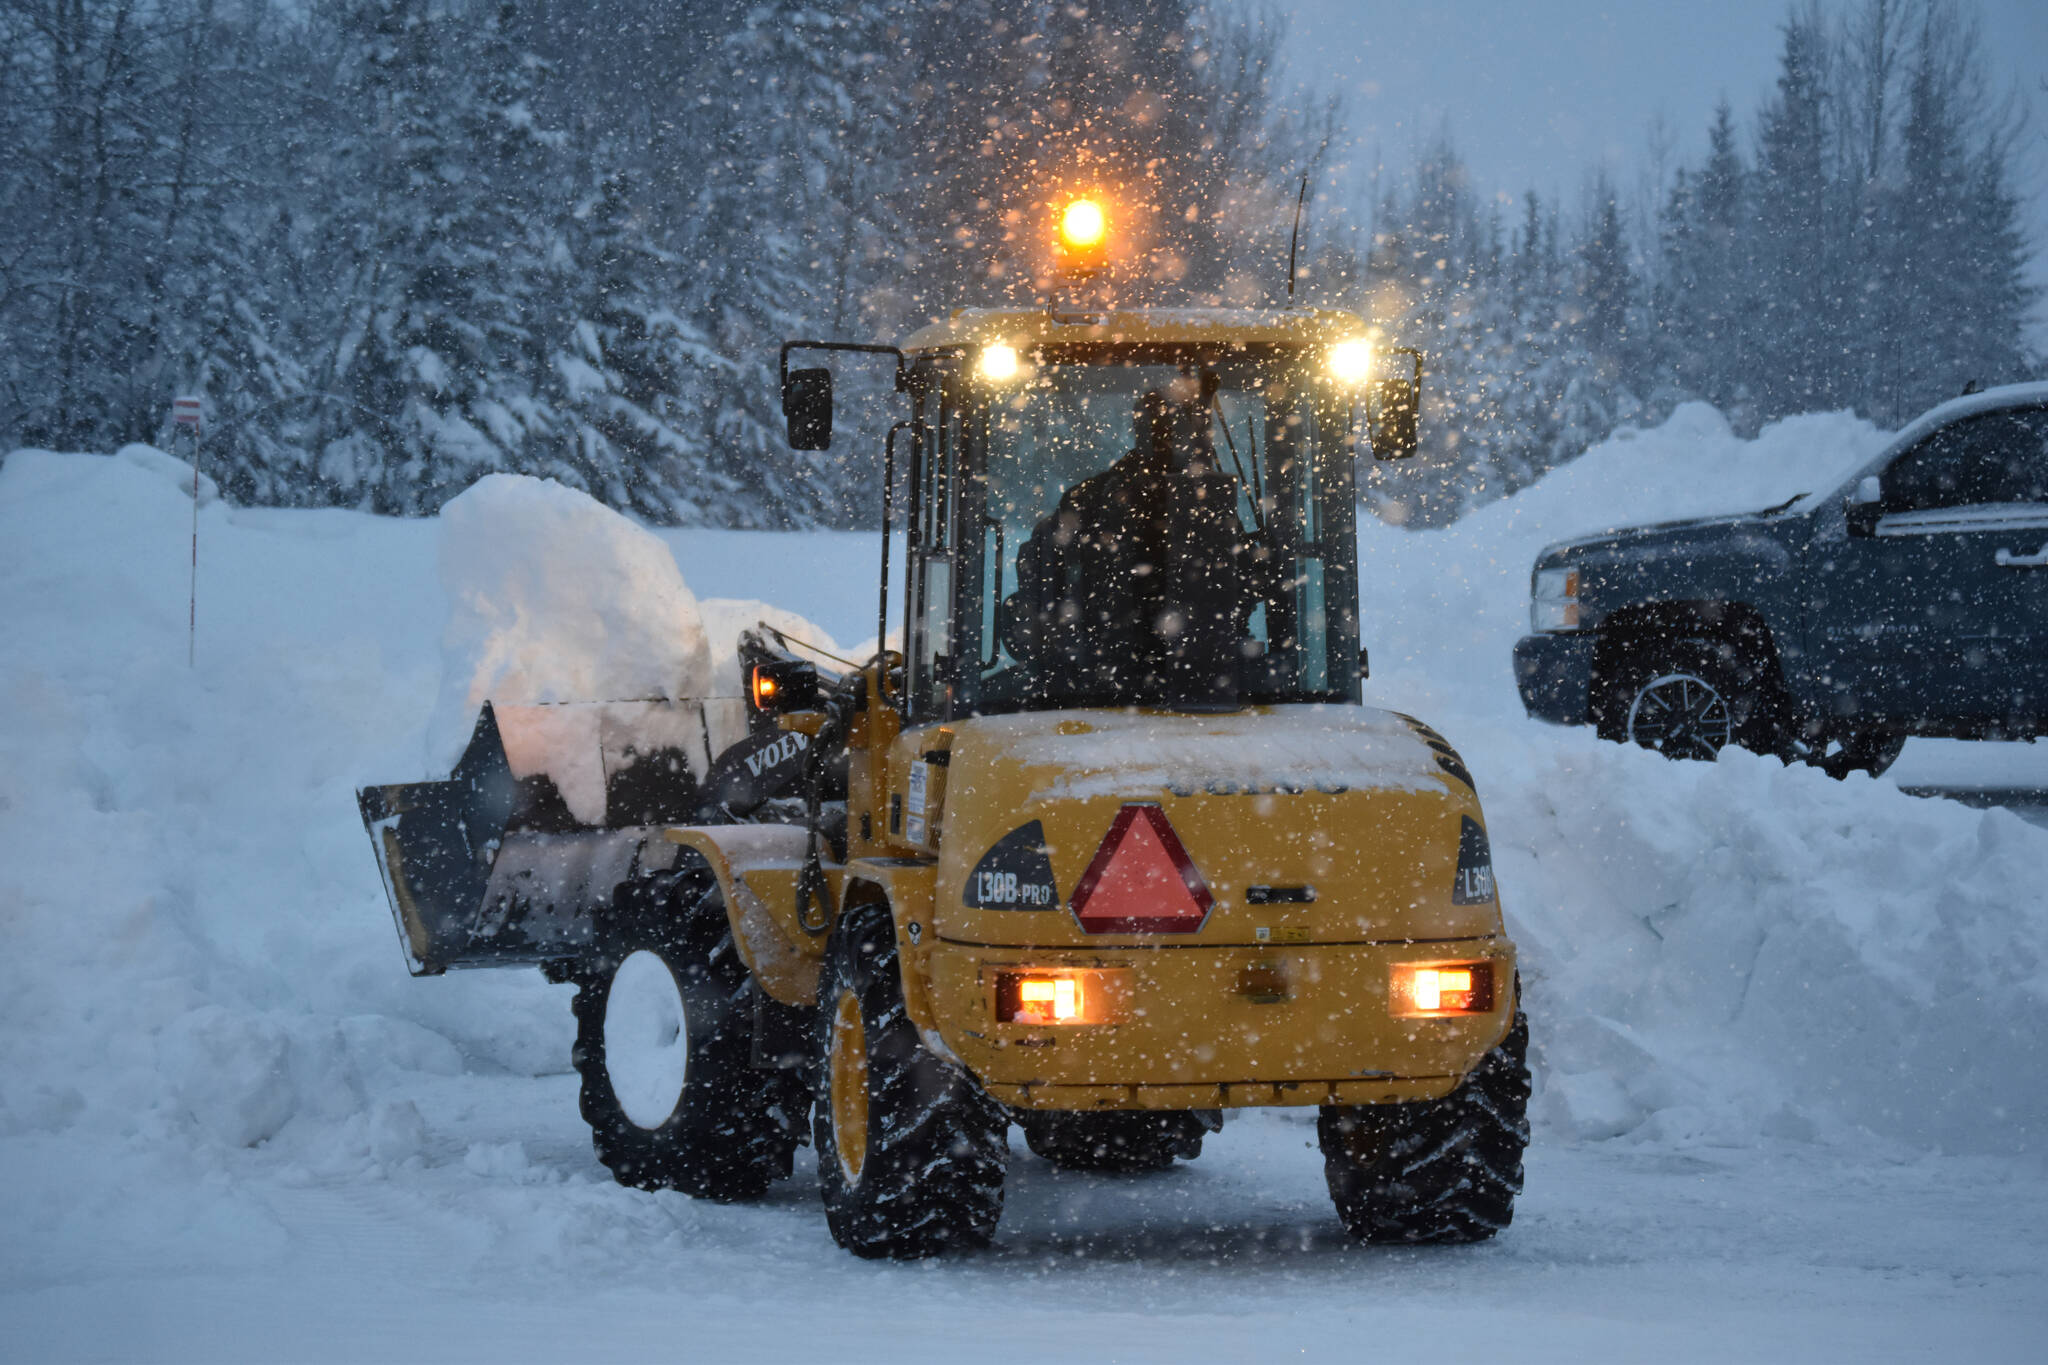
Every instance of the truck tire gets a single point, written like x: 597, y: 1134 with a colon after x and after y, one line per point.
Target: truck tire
x: 1122, y: 1141
x: 911, y: 1150
x: 664, y: 1044
x: 1869, y: 751
x: 1689, y: 698
x: 1443, y: 1170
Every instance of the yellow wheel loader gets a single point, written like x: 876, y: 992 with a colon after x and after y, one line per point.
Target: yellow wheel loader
x: 1110, y: 849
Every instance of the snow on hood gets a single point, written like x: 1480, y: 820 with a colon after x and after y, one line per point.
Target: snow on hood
x: 1136, y: 753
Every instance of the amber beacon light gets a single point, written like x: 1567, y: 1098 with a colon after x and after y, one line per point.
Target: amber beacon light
x: 1084, y: 235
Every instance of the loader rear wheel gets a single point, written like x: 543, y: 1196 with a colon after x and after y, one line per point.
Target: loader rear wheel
x: 1121, y: 1141
x: 1443, y: 1170
x: 664, y: 1043
x: 911, y: 1151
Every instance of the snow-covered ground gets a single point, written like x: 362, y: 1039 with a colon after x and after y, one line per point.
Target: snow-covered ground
x: 1792, y: 1099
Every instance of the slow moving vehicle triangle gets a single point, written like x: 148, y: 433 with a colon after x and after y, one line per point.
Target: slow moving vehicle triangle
x: 1141, y: 880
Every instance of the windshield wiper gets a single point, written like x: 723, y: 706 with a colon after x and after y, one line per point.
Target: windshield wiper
x: 1216, y: 411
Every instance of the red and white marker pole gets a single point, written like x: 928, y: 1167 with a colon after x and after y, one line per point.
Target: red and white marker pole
x: 185, y: 418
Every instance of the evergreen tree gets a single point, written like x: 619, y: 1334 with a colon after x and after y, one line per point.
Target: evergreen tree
x: 1793, y: 318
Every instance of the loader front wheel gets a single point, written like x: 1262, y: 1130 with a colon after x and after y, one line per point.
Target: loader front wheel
x: 1443, y: 1170
x: 664, y: 1043
x: 911, y: 1151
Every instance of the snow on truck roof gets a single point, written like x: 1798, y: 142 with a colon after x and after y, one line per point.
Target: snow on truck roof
x: 1037, y: 326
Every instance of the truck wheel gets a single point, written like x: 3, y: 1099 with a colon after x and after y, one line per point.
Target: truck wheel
x: 664, y: 1042
x: 1857, y: 751
x: 1689, y: 699
x: 911, y: 1150
x: 1123, y: 1141
x: 1443, y: 1170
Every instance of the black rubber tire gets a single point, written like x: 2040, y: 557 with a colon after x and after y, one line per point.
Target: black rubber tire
x: 1443, y: 1170
x: 1122, y: 1141
x: 734, y: 1128
x: 1869, y: 751
x: 936, y: 1145
x: 1730, y: 698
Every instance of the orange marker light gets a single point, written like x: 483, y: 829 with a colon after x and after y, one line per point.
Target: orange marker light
x: 1430, y: 992
x: 1035, y: 997
x: 1049, y: 1002
x: 765, y: 688
x: 1083, y: 225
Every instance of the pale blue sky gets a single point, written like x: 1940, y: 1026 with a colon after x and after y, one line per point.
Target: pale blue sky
x: 1538, y: 93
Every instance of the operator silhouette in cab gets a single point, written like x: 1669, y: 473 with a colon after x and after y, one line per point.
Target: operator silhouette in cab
x: 1139, y: 588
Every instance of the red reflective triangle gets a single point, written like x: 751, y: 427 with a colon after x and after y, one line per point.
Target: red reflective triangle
x: 1142, y: 880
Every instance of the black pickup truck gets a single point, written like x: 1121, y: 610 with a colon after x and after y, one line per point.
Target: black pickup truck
x: 1911, y: 599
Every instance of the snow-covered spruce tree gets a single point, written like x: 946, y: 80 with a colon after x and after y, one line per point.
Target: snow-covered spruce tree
x: 85, y: 215
x: 431, y: 381
x: 1703, y: 285
x: 1952, y: 239
x: 1794, y: 321
x: 621, y: 370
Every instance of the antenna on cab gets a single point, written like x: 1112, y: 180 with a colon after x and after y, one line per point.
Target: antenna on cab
x: 1294, y: 243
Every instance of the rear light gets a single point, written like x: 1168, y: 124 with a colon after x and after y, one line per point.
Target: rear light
x: 1440, y: 989
x: 1036, y: 998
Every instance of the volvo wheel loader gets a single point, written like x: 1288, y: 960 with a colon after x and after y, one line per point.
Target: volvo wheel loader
x: 1110, y: 849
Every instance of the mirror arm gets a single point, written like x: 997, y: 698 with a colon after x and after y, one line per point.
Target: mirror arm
x: 863, y: 347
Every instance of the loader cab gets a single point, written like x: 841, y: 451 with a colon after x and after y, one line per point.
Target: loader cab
x: 1118, y: 514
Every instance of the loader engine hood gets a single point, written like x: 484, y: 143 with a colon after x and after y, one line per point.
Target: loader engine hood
x: 1286, y: 824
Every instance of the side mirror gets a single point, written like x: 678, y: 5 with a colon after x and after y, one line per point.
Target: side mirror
x: 807, y: 408
x: 1396, y: 426
x: 1865, y: 506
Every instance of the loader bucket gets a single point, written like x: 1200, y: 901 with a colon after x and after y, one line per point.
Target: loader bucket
x: 508, y: 859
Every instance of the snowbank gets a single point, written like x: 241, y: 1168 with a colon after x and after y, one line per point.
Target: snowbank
x: 1693, y: 465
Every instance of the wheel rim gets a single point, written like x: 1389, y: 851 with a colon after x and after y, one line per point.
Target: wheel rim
x: 646, y: 1040
x: 1681, y: 715
x: 849, y: 1084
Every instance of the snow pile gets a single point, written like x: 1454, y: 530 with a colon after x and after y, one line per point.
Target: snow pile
x: 1693, y: 465
x: 554, y: 597
x: 1716, y: 951
x: 190, y: 958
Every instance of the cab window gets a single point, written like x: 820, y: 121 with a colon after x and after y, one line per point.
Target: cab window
x: 1996, y: 457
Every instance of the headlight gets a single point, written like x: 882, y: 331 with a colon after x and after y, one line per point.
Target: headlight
x: 1555, y: 605
x: 999, y: 362
x: 1350, y: 362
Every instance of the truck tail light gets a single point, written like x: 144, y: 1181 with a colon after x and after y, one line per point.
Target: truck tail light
x: 1440, y: 989
x: 1060, y: 996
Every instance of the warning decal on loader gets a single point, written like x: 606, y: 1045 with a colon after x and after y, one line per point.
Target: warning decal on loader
x: 1142, y: 880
